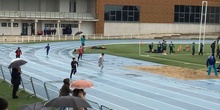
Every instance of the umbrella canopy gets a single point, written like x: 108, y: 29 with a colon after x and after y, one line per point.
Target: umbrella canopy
x: 34, y: 106
x: 78, y: 33
x: 68, y: 101
x: 17, y: 62
x: 81, y: 84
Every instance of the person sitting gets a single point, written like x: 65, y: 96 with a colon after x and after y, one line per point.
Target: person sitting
x: 187, y: 49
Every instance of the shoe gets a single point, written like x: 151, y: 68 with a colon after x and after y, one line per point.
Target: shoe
x: 15, y: 97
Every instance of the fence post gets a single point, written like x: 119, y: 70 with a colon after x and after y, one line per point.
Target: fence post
x: 101, y: 36
x: 28, y: 38
x: 40, y: 38
x: 16, y: 39
x: 94, y: 36
x: 32, y: 87
x: 65, y: 37
x: 46, y: 37
x: 48, y: 98
x: 3, y: 75
x: 131, y: 36
x: 34, y: 38
x: 108, y: 36
x: 22, y: 39
x: 73, y: 37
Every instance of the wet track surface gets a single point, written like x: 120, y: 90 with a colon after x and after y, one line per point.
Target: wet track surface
x: 116, y: 87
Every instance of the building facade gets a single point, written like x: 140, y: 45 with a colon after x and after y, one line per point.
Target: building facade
x: 155, y: 16
x: 107, y: 17
x: 35, y: 16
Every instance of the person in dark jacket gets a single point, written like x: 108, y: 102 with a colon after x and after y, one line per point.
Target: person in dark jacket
x: 65, y: 90
x: 213, y: 48
x: 159, y: 45
x: 47, y: 48
x: 16, y: 81
x: 210, y: 63
x: 193, y: 48
x: 74, y: 65
x: 171, y: 45
x: 201, y: 49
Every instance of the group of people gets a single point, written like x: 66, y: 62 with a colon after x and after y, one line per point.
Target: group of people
x: 162, y: 47
x: 66, y: 91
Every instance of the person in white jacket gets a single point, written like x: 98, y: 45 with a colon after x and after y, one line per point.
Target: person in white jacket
x: 101, y: 60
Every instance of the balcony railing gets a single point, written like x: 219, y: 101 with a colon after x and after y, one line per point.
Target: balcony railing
x: 47, y: 15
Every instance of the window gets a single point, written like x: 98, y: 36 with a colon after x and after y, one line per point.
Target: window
x: 4, y: 24
x: 49, y: 25
x: 122, y: 13
x: 15, y: 24
x: 192, y: 14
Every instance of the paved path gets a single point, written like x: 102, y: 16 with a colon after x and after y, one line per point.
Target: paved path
x: 117, y: 87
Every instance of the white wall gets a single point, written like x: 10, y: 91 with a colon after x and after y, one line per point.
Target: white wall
x: 7, y: 30
x: 87, y: 27
x: 81, y: 6
x: 64, y: 6
x: 31, y: 5
x: 91, y: 6
x: 51, y: 5
x: 10, y: 5
x: 146, y: 28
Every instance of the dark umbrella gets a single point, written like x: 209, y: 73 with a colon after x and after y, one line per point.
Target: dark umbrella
x: 17, y: 62
x: 68, y: 101
x: 78, y: 33
x: 34, y: 106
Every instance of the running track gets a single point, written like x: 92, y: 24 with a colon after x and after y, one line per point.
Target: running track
x: 117, y: 87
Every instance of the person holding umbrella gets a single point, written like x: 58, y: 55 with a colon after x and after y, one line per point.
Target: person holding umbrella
x: 18, y: 52
x: 81, y: 94
x: 16, y: 81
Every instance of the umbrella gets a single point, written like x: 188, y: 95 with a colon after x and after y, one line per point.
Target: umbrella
x: 78, y: 33
x: 34, y: 106
x: 81, y: 84
x: 17, y: 62
x: 68, y: 101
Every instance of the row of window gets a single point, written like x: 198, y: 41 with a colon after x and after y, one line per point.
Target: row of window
x: 122, y: 13
x: 9, y: 24
x: 192, y: 14
x: 62, y: 25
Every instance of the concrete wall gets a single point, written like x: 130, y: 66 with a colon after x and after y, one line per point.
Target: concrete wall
x: 147, y: 28
x: 91, y: 6
x: 64, y: 6
x: 81, y: 6
x: 87, y: 27
x: 32, y: 5
x: 51, y: 5
x: 7, y: 30
x: 10, y: 5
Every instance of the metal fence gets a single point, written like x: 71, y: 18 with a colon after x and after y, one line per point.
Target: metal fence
x: 44, y: 90
x: 47, y: 15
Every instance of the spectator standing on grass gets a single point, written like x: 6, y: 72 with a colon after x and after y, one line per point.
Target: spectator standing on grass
x: 213, y: 48
x: 164, y: 47
x: 15, y: 81
x: 193, y: 48
x: 3, y: 104
x: 74, y: 65
x: 210, y: 63
x: 171, y: 45
x: 100, y: 61
x: 201, y: 49
x: 218, y: 52
x: 47, y: 48
x: 159, y: 47
x: 18, y: 52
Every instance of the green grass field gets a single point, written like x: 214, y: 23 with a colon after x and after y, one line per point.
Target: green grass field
x: 15, y: 104
x: 180, y: 59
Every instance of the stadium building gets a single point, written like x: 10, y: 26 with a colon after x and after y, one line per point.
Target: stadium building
x: 107, y: 17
